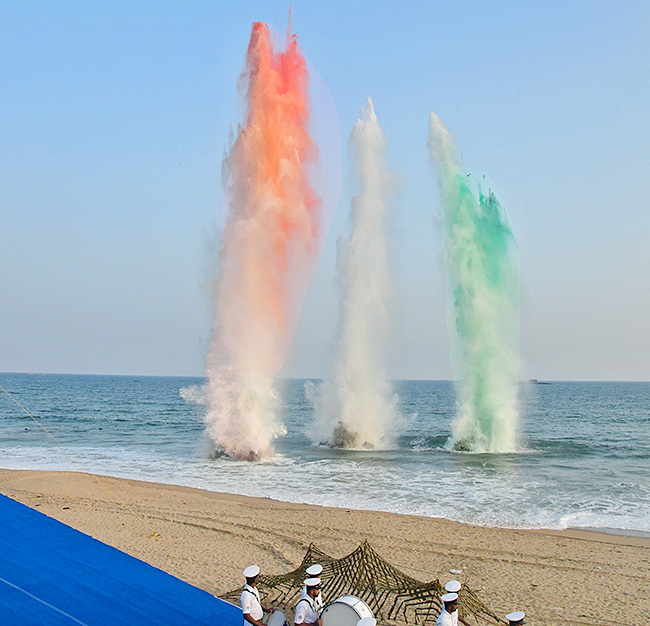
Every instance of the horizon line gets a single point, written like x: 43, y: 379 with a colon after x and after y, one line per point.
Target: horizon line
x: 533, y: 381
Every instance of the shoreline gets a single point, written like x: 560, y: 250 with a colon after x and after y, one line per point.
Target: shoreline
x: 612, y: 535
x: 615, y: 535
x: 571, y: 576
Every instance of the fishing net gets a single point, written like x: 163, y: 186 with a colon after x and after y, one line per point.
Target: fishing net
x: 392, y: 596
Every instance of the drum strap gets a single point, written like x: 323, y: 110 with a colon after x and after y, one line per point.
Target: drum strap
x: 310, y: 602
x: 252, y: 593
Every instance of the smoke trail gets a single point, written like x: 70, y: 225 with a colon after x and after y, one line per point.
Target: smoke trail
x: 482, y: 268
x: 269, y: 248
x: 355, y: 409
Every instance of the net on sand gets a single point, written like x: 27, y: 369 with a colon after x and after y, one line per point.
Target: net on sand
x: 392, y: 596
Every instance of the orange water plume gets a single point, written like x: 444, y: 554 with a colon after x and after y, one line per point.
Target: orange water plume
x: 269, y: 248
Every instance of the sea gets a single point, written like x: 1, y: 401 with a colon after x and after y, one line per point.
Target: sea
x: 583, y: 462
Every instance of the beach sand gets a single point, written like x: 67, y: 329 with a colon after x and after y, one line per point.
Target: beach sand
x: 207, y: 538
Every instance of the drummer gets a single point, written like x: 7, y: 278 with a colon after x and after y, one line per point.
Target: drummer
x: 251, y: 605
x: 306, y: 610
x: 449, y: 615
x: 453, y: 586
x: 314, y: 571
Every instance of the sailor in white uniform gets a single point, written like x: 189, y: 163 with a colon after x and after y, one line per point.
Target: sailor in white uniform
x: 314, y: 571
x: 306, y: 611
x: 251, y: 604
x: 516, y: 618
x: 449, y: 615
x: 453, y: 586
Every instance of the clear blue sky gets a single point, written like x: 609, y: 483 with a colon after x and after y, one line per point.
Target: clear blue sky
x: 114, y: 120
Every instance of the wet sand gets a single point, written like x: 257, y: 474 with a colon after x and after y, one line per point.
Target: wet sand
x: 207, y: 538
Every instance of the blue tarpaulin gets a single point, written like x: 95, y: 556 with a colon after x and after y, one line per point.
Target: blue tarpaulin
x: 51, y: 575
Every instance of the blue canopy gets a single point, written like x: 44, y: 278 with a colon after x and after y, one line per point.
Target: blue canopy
x: 51, y: 575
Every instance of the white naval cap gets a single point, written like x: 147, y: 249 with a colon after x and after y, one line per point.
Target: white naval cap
x: 312, y: 582
x: 517, y: 617
x: 450, y: 597
x: 367, y: 621
x: 314, y: 570
x: 453, y: 586
x: 251, y: 571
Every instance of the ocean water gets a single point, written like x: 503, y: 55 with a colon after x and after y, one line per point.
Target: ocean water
x: 584, y: 458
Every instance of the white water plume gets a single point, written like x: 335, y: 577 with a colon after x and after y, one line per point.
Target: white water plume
x: 357, y: 408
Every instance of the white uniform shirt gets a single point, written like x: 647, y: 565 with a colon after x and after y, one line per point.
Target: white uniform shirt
x: 318, y: 599
x: 250, y: 602
x: 306, y: 612
x: 447, y: 619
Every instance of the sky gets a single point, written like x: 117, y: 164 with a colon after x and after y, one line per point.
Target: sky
x: 115, y: 116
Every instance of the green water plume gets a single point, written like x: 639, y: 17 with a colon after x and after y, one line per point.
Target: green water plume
x: 483, y: 294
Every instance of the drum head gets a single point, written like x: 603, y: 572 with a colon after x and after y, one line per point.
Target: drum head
x: 345, y: 611
x: 277, y: 618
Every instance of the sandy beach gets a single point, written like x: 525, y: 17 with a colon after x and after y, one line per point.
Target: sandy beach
x: 207, y: 538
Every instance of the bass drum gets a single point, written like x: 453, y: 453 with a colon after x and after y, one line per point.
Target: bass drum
x: 276, y: 618
x: 345, y: 611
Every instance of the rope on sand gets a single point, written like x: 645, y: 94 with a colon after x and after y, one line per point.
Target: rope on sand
x: 393, y: 596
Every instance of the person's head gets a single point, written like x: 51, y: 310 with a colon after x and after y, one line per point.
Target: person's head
x: 453, y: 586
x: 250, y: 574
x: 516, y: 618
x: 367, y: 621
x: 314, y: 571
x: 450, y: 601
x: 313, y: 587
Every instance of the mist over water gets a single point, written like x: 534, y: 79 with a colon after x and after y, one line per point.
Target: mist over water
x: 357, y: 408
x: 483, y: 293
x: 270, y: 246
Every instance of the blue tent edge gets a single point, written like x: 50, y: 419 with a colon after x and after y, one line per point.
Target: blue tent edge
x: 53, y: 574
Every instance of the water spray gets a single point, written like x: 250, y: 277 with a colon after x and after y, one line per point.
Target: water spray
x: 270, y: 246
x: 357, y: 408
x: 483, y: 293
